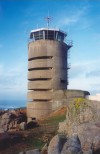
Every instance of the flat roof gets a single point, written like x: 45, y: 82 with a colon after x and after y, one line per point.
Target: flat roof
x: 51, y: 29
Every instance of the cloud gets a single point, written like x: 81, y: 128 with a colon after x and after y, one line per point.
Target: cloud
x: 85, y: 76
x: 93, y: 73
x: 73, y: 18
x: 76, y: 70
x: 13, y: 80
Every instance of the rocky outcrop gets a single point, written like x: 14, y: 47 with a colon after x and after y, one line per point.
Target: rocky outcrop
x: 61, y: 144
x: 56, y: 144
x: 73, y: 145
x: 86, y: 141
x: 81, y: 129
x: 11, y: 119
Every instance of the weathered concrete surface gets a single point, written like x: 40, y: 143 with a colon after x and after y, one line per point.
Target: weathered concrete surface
x: 38, y: 74
x: 47, y: 75
x: 39, y: 63
x: 47, y: 84
x: 47, y: 70
x: 40, y: 95
x: 59, y: 97
x: 38, y: 109
x: 53, y: 54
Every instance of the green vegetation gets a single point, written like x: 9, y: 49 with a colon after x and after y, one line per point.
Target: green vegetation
x: 78, y: 108
x: 36, y: 143
x: 54, y: 120
x: 78, y: 105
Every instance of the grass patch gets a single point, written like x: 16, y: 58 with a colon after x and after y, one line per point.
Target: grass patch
x: 55, y: 119
x: 35, y: 143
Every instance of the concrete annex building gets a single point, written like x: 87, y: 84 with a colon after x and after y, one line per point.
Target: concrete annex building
x: 47, y: 71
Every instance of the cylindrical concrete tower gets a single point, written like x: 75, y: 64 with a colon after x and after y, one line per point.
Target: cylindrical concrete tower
x: 47, y: 69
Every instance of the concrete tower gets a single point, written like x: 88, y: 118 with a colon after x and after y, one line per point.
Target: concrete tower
x: 47, y: 69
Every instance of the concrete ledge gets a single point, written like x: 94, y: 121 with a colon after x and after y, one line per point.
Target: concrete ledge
x: 47, y: 84
x: 39, y: 63
x: 40, y: 95
x: 61, y: 94
x: 40, y: 74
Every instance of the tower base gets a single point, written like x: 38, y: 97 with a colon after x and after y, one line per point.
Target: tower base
x: 40, y: 109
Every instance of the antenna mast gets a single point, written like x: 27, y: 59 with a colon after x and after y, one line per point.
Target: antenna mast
x: 48, y: 19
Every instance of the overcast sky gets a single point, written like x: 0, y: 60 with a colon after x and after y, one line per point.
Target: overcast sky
x: 79, y: 18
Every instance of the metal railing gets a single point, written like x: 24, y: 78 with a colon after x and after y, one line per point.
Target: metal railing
x: 69, y: 42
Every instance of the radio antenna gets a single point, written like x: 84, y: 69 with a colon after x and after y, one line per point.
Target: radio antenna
x: 48, y: 19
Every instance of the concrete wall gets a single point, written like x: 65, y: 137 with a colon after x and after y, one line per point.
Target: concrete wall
x: 38, y: 109
x: 48, y: 59
x: 38, y: 74
x: 47, y: 84
x: 39, y: 63
x: 64, y: 97
x: 47, y: 72
x: 39, y: 95
x: 47, y: 78
x: 60, y: 98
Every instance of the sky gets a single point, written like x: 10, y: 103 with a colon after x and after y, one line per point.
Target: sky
x: 79, y: 18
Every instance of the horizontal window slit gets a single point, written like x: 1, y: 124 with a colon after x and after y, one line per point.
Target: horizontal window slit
x: 41, y: 100
x: 40, y: 68
x: 42, y: 57
x: 39, y: 89
x: 39, y: 79
x: 42, y: 89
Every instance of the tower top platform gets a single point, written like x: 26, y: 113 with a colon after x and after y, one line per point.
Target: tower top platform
x: 49, y: 29
x: 47, y: 33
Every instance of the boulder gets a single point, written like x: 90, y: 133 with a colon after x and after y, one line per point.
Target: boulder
x: 83, y: 119
x: 72, y: 146
x: 89, y: 135
x: 5, y: 121
x: 56, y: 144
x: 23, y: 125
x: 11, y: 119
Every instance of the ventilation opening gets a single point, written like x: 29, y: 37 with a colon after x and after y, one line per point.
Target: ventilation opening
x: 42, y: 89
x: 39, y: 79
x: 42, y: 100
x: 40, y: 68
x: 42, y: 57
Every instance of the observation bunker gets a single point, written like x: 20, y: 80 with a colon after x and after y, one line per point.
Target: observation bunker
x: 47, y: 71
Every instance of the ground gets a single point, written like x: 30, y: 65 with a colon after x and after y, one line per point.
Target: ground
x: 36, y: 137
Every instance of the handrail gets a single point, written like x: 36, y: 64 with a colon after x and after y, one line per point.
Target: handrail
x: 69, y: 42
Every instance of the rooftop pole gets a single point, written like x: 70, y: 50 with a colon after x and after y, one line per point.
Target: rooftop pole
x: 48, y: 19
